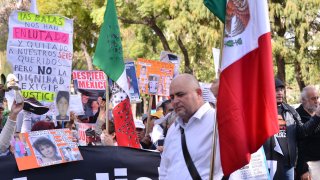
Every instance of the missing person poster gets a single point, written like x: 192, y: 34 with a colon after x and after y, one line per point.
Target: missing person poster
x: 132, y: 82
x: 154, y: 77
x: 92, y: 86
x: 169, y: 57
x: 44, y: 148
x: 40, y: 51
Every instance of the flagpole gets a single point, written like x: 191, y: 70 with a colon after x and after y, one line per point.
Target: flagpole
x: 213, y: 155
x: 149, y: 116
x: 107, y: 104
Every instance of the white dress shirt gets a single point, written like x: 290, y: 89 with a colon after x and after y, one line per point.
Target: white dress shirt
x: 199, y: 133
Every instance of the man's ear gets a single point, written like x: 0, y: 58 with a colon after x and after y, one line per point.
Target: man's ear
x: 199, y: 91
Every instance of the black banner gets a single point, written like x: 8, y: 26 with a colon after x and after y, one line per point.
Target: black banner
x: 100, y: 163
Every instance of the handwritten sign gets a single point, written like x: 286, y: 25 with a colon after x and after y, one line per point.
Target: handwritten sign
x: 40, y: 51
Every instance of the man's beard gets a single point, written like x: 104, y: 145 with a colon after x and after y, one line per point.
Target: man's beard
x: 311, y: 108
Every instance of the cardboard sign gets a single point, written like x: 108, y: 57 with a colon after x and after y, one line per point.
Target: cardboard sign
x: 40, y: 51
x: 154, y: 77
x: 44, y: 148
x: 82, y: 137
x: 92, y: 86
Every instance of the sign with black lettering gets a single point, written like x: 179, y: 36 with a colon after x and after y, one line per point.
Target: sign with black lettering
x: 40, y: 52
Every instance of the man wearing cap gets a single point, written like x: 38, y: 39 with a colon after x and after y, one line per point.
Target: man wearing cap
x: 309, y: 147
x: 192, y: 132
x: 139, y: 129
x: 281, y: 149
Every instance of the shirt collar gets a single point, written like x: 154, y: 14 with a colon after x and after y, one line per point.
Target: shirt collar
x: 198, y: 115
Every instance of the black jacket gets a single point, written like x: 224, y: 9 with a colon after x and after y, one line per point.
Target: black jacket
x: 296, y: 130
x: 309, y: 147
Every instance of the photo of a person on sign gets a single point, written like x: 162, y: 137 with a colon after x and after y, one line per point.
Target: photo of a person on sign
x: 62, y: 104
x: 153, y: 83
x: 46, y: 150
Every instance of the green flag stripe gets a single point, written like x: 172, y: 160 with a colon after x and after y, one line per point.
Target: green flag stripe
x: 108, y: 55
x: 217, y: 7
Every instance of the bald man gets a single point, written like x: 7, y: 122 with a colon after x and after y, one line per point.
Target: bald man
x: 195, y: 122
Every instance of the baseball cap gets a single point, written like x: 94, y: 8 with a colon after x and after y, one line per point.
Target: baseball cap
x: 158, y: 114
x: 139, y: 124
x: 279, y: 83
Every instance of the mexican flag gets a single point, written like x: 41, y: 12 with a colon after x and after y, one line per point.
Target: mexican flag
x: 108, y: 57
x: 246, y: 104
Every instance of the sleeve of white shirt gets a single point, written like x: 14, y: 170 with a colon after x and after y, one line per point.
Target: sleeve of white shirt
x: 6, y: 135
x: 157, y: 133
x: 164, y: 164
x: 26, y: 122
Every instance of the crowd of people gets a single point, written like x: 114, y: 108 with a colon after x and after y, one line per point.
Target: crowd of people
x: 181, y: 129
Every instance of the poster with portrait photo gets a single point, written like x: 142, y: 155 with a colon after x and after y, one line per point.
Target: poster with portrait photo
x: 20, y: 147
x: 62, y: 102
x: 163, y: 71
x: 169, y: 57
x: 91, y: 85
x: 45, y: 148
x: 132, y: 82
x: 153, y: 83
x: 70, y: 154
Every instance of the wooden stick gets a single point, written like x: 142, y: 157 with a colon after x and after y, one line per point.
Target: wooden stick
x: 149, y: 116
x: 107, y: 104
x: 214, y: 147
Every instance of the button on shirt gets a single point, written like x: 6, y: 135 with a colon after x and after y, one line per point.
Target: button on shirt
x: 199, y: 133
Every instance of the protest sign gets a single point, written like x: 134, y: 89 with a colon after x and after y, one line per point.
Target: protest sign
x: 92, y: 86
x: 100, y: 163
x: 206, y: 93
x: 40, y: 51
x: 132, y: 82
x: 169, y: 57
x: 44, y: 148
x: 256, y: 169
x: 76, y: 105
x: 82, y: 137
x: 154, y: 76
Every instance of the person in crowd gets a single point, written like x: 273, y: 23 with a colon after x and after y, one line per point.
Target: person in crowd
x: 108, y: 138
x: 162, y: 125
x: 282, y: 147
x: 86, y: 105
x: 193, y: 128
x: 32, y: 109
x: 146, y: 140
x: 9, y: 128
x: 95, y: 107
x: 309, y: 147
x: 42, y: 125
x: 47, y: 149
x: 140, y: 129
x: 62, y: 103
x: 215, y: 87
